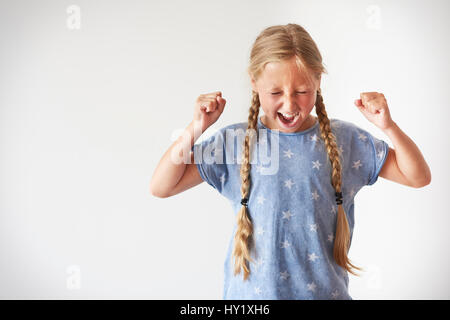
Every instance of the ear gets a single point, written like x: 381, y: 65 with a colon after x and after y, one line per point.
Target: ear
x: 318, y: 81
x: 253, y: 83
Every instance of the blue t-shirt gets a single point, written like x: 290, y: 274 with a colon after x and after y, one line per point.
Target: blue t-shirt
x: 291, y: 203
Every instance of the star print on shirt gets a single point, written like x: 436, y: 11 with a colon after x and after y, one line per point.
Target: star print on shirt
x: 362, y: 137
x: 312, y: 257
x: 357, y: 164
x: 288, y: 153
x: 314, y: 137
x: 333, y: 210
x: 335, y: 294
x: 312, y: 286
x: 260, y: 199
x: 258, y: 290
x: 288, y: 190
x: 316, y: 164
x: 260, y: 230
x: 284, y: 275
x: 285, y: 244
x: 288, y: 183
x: 313, y: 227
x: 287, y: 215
x: 330, y: 238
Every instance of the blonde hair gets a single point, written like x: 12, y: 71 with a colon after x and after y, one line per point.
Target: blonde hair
x: 274, y: 44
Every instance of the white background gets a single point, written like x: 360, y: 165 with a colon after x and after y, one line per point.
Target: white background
x: 87, y: 113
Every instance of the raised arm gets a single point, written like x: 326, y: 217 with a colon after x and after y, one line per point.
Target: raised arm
x: 405, y: 163
x: 173, y: 165
x: 174, y: 172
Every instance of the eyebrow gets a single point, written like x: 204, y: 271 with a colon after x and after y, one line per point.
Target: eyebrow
x: 299, y: 87
x: 275, y: 86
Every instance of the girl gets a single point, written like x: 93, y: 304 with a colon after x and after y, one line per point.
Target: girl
x: 295, y: 217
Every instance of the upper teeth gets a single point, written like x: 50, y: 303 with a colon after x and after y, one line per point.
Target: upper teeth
x: 289, y: 115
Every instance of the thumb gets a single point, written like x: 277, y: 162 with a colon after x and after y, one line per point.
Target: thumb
x: 358, y: 103
x: 221, y: 102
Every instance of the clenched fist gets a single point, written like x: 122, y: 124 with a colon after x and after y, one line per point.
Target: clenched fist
x: 208, y: 108
x: 373, y: 106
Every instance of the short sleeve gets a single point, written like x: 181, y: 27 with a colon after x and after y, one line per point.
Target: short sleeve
x: 367, y: 156
x: 211, y: 161
x: 379, y: 150
x: 362, y: 155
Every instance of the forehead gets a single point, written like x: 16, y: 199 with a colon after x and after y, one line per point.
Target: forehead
x: 283, y: 73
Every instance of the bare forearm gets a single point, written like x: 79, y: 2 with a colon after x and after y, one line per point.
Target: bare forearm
x: 172, y: 165
x: 409, y: 158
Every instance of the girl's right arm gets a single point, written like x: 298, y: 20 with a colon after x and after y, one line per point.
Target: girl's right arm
x: 173, y: 175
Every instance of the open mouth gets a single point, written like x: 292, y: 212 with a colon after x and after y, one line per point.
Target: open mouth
x: 288, y: 121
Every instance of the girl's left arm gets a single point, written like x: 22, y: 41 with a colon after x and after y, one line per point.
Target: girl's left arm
x: 405, y: 163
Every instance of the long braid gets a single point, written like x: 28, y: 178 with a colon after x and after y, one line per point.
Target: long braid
x: 342, y: 239
x: 244, y: 231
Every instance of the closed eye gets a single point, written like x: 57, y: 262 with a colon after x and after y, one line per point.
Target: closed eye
x: 275, y: 93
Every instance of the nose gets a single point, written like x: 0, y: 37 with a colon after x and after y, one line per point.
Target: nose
x: 290, y: 104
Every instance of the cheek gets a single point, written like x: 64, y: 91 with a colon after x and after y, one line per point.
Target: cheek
x: 268, y: 104
x: 307, y: 100
x: 305, y: 103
